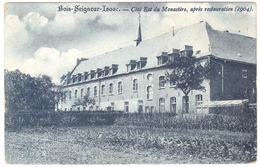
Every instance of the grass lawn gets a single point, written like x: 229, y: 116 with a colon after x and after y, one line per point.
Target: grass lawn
x: 127, y: 144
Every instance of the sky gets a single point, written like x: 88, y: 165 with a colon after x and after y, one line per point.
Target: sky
x: 40, y: 39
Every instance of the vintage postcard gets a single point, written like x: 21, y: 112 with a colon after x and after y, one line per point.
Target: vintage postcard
x: 130, y: 83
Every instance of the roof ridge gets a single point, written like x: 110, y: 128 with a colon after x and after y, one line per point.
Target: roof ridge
x: 150, y: 39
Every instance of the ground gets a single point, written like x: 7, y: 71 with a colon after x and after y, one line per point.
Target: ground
x: 125, y: 145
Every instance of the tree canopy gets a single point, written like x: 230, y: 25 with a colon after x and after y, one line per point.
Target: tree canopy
x: 187, y: 73
x: 24, y: 92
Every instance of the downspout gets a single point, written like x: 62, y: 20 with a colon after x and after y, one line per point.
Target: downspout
x: 99, y: 93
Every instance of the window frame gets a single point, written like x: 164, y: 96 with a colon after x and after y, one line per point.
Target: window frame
x: 76, y: 94
x: 149, y: 93
x: 244, y: 73
x: 103, y: 90
x: 95, y: 91
x: 111, y: 88
x: 135, y: 85
x: 173, y: 103
x: 160, y: 104
x: 120, y: 87
x: 161, y: 82
x: 147, y: 77
x: 70, y: 93
x: 198, y: 99
x: 81, y: 93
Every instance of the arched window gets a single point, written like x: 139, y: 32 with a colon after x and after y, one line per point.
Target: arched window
x: 81, y: 93
x: 161, y: 82
x: 135, y: 85
x: 76, y: 94
x: 173, y: 104
x: 95, y: 91
x: 149, y: 77
x: 69, y: 95
x: 120, y: 87
x: 161, y: 104
x: 149, y: 92
x: 103, y: 90
x: 111, y: 88
x: 198, y: 99
x: 88, y: 90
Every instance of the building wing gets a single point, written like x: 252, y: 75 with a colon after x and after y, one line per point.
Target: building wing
x: 204, y: 40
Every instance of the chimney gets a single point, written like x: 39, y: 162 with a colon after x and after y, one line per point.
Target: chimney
x: 172, y: 31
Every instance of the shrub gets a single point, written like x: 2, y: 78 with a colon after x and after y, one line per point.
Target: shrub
x: 245, y: 122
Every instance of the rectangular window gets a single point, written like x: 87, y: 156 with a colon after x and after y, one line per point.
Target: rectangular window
x: 198, y: 100
x: 172, y: 82
x: 244, y: 73
x: 135, y: 85
x: 161, y: 82
x: 147, y: 109
x: 173, y: 104
x: 161, y: 104
x: 152, y: 109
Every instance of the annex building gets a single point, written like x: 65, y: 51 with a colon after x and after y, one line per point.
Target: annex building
x: 132, y: 78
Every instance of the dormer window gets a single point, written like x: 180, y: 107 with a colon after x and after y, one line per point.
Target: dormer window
x: 173, y: 55
x: 113, y: 69
x: 186, y: 51
x: 85, y: 75
x: 131, y: 65
x: 163, y: 58
x: 73, y: 78
x: 99, y: 72
x: 92, y: 74
x: 68, y: 81
x: 105, y: 71
x: 141, y: 62
x: 79, y: 77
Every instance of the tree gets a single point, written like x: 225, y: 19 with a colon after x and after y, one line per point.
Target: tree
x: 85, y: 101
x: 188, y: 74
x: 23, y: 92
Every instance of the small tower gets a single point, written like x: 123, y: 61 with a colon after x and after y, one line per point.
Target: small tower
x: 139, y: 36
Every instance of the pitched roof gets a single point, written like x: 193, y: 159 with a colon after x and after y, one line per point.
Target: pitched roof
x: 231, y: 46
x: 201, y: 36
